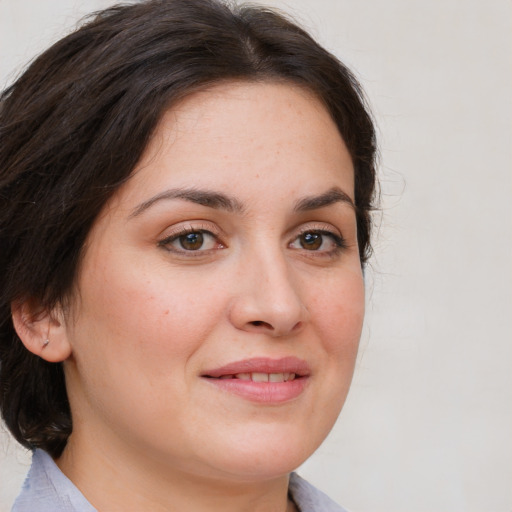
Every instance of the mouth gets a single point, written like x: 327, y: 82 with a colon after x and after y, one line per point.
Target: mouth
x: 262, y: 380
x: 260, y: 376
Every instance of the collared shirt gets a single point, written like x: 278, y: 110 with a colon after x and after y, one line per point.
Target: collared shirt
x: 47, y: 489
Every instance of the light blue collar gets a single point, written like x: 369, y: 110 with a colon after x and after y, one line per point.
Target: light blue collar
x: 47, y: 489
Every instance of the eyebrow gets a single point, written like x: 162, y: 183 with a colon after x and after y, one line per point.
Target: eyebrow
x: 207, y: 198
x: 332, y: 196
x: 220, y: 201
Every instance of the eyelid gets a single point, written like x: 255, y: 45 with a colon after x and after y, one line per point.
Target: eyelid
x: 185, y: 228
x: 190, y: 225
x: 324, y: 229
x: 319, y: 226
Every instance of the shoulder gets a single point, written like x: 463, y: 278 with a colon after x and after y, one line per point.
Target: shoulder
x: 309, y: 499
x: 47, y: 489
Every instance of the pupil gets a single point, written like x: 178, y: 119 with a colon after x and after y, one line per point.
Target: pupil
x: 192, y: 241
x: 311, y: 241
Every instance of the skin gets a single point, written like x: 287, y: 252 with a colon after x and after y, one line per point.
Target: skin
x: 150, y: 316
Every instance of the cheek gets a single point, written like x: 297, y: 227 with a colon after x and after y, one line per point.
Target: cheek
x: 149, y: 312
x: 338, y: 313
x: 134, y: 342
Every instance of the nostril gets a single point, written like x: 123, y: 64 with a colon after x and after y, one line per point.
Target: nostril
x: 260, y: 323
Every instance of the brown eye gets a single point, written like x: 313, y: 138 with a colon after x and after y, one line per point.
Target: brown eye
x: 319, y: 241
x: 311, y: 241
x: 192, y: 241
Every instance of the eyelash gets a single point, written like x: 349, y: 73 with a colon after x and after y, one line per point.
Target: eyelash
x: 175, y: 236
x: 338, y: 240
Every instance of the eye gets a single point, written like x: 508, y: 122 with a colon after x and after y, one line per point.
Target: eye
x: 191, y: 240
x: 319, y: 241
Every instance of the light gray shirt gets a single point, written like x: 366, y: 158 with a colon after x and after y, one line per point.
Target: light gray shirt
x: 47, y: 489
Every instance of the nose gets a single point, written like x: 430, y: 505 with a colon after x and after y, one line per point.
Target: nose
x: 268, y: 298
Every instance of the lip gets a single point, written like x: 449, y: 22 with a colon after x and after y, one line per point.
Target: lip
x: 263, y: 365
x: 261, y: 392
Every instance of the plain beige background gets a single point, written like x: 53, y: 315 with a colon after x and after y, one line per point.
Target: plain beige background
x: 427, y: 426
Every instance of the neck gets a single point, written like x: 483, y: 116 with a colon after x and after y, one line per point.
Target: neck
x: 130, y: 481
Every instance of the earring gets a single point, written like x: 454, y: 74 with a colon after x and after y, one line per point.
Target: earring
x: 45, y: 343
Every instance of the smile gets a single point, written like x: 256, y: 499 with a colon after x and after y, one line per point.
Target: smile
x: 262, y: 380
x: 262, y: 377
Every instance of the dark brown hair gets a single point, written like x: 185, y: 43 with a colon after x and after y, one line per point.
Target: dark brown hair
x: 74, y: 125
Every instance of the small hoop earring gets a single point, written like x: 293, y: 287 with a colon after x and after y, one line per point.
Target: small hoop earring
x: 46, y: 343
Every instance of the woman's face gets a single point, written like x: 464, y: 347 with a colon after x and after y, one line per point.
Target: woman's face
x: 220, y: 298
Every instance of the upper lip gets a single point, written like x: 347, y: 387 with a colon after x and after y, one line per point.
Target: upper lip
x: 262, y: 365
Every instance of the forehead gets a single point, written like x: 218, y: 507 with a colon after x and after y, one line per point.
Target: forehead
x: 235, y: 134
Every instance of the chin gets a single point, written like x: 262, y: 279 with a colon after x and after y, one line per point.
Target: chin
x: 266, y: 452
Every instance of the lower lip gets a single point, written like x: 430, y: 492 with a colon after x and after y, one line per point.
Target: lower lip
x: 262, y: 392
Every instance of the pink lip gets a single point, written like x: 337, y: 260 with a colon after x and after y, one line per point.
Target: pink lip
x: 261, y: 392
x: 263, y: 365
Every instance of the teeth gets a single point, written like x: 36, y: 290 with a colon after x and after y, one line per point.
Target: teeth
x: 262, y: 377
x: 259, y: 377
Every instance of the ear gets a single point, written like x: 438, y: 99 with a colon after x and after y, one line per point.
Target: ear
x: 42, y: 332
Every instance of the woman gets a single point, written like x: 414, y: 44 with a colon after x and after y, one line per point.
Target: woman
x: 186, y: 194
